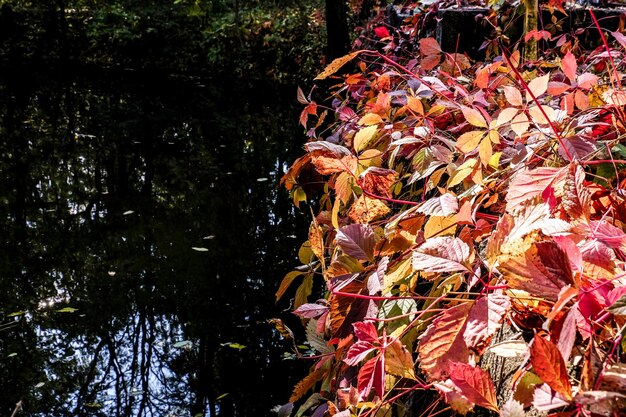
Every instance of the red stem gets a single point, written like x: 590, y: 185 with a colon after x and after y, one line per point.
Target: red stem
x: 606, y: 46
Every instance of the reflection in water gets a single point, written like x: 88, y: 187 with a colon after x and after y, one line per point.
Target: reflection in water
x: 143, y: 239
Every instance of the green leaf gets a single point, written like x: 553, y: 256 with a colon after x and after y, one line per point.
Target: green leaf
x: 236, y: 346
x: 67, y: 310
x: 17, y: 313
x: 222, y: 396
x: 619, y: 307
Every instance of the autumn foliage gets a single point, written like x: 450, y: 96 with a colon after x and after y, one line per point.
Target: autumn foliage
x: 471, y: 214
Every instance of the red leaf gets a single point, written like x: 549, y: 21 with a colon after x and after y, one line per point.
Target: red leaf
x: 485, y: 319
x: 310, y: 310
x: 365, y: 331
x: 608, y: 234
x: 442, y: 342
x: 549, y: 365
x: 372, y: 376
x: 569, y: 66
x: 382, y: 32
x: 357, y: 240
x: 475, y: 384
x: 358, y: 352
x: 441, y: 254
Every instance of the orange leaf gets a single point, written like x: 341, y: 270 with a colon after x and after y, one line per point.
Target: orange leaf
x: 442, y: 342
x: 398, y: 360
x: 549, y: 365
x: 468, y: 141
x: 429, y: 46
x: 539, y: 267
x: 568, y: 65
x: 475, y: 384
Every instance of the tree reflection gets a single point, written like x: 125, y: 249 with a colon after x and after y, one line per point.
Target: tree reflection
x: 106, y: 187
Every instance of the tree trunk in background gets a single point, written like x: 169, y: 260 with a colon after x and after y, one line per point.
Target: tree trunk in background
x: 338, y: 41
x: 530, y: 24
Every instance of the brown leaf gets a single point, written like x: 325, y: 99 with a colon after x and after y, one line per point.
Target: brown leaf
x: 475, y: 384
x: 398, y: 360
x: 365, y: 210
x: 378, y: 181
x: 442, y: 342
x: 549, y: 365
x: 286, y: 282
x: 316, y: 237
x: 336, y: 64
x: 307, y: 383
x: 329, y: 158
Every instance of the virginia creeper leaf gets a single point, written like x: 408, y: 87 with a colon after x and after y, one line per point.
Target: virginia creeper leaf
x: 398, y: 360
x: 329, y: 158
x: 485, y: 319
x: 442, y: 342
x: 307, y: 383
x: 336, y: 64
x: 569, y: 66
x: 310, y: 310
x: 528, y: 184
x: 473, y: 117
x: 549, y: 365
x: 358, y: 352
x: 357, y: 240
x: 538, y: 86
x: 441, y: 254
x: 475, y: 383
x: 443, y: 205
x: 372, y: 376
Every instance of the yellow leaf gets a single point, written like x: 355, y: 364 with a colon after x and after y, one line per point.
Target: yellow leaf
x: 440, y: 226
x: 370, y: 158
x: 334, y: 217
x: 286, y: 282
x: 494, y: 136
x: 298, y: 196
x: 336, y: 64
x: 316, y: 237
x: 363, y: 137
x: 398, y: 360
x: 485, y: 151
x: 399, y: 272
x: 494, y: 161
x: 305, y: 253
x: 468, y: 141
x: 473, y: 117
x: 462, y: 172
x: 370, y: 119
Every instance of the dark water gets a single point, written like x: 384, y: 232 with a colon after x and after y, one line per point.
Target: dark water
x: 107, y: 185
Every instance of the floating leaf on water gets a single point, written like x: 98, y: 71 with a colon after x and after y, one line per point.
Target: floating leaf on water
x: 182, y: 344
x: 67, y: 310
x: 199, y: 249
x: 236, y: 346
x: 126, y: 213
x: 111, y: 273
x: 262, y: 179
x: 135, y: 393
x: 10, y: 355
x: 39, y: 385
x: 17, y: 313
x: 209, y: 237
x: 93, y: 405
x: 222, y: 396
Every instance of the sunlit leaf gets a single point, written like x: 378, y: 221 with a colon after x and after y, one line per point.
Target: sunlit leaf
x: 538, y: 86
x: 364, y: 136
x: 549, y: 365
x: 441, y: 254
x: 357, y: 240
x: 569, y: 66
x: 473, y: 116
x: 468, y: 141
x: 475, y: 383
x: 442, y: 342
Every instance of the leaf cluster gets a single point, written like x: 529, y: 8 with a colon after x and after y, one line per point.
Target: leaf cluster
x: 469, y: 211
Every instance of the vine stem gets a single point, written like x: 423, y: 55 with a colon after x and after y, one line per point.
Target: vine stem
x: 608, y: 50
